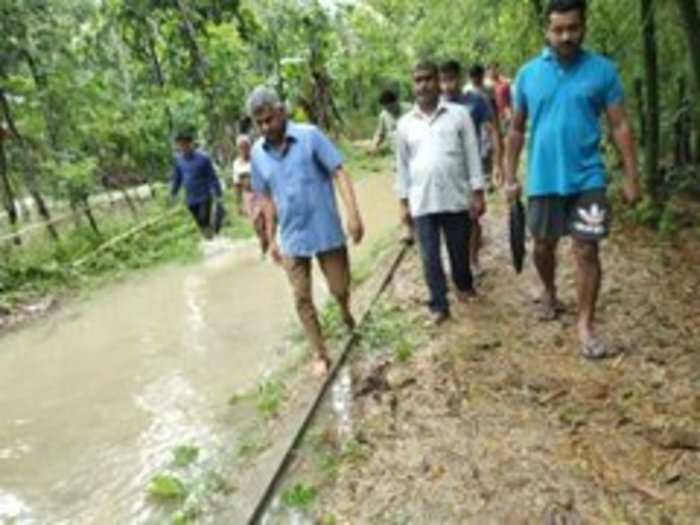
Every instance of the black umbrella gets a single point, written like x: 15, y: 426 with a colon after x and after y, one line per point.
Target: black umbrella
x: 516, y: 221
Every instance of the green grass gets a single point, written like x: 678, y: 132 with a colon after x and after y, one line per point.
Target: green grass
x: 252, y: 444
x: 299, y: 496
x: 185, y: 455
x: 270, y: 395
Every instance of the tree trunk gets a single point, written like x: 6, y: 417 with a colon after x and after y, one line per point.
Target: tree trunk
x: 198, y: 62
x: 639, y: 102
x: 8, y: 197
x: 681, y: 126
x: 29, y: 180
x: 654, y: 178
x: 90, y: 217
x: 157, y: 69
x: 75, y: 214
x: 41, y: 83
x: 129, y: 202
x: 539, y: 10
x: 690, y: 20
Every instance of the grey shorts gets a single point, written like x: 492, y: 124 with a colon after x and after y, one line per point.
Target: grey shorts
x: 585, y: 216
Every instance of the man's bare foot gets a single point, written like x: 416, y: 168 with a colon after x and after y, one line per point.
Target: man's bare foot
x: 320, y: 366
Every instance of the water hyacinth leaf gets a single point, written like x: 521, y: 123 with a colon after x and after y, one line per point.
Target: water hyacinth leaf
x: 167, y: 487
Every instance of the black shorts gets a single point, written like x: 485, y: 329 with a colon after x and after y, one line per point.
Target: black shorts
x: 585, y: 216
x: 202, y: 213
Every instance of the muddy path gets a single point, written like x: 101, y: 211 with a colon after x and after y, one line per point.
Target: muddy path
x: 494, y: 417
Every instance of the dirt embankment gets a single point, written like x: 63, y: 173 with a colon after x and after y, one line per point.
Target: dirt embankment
x: 499, y: 420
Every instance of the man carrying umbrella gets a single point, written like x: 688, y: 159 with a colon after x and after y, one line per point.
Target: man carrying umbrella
x: 562, y: 93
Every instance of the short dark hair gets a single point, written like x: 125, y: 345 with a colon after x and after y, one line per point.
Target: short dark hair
x: 387, y: 97
x: 564, y: 6
x: 476, y: 71
x: 451, y: 67
x: 185, y: 134
x: 426, y: 65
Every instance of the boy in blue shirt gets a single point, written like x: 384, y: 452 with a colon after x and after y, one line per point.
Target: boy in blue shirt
x: 194, y: 171
x: 562, y: 94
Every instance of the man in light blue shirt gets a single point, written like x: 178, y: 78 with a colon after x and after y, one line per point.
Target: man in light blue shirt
x: 296, y: 169
x: 562, y: 95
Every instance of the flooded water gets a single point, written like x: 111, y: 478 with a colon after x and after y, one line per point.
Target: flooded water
x: 94, y: 398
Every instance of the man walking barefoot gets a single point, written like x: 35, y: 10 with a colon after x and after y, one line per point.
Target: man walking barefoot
x: 296, y: 170
x: 562, y: 93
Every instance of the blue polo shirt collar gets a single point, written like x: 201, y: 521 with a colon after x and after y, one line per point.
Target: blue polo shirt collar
x: 551, y: 56
x: 291, y: 134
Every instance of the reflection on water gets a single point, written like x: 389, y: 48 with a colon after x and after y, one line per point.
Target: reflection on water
x: 192, y: 289
x: 341, y: 400
x: 13, y: 510
x: 94, y: 398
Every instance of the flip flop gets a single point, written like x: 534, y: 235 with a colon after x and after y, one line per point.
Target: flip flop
x: 595, y: 348
x: 549, y: 311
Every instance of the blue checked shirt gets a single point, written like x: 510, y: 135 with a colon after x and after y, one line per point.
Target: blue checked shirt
x: 300, y: 182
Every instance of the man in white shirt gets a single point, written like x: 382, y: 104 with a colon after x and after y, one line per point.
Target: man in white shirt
x: 439, y: 172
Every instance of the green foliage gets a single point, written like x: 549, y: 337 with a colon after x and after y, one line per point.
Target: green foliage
x: 96, y: 89
x: 269, y: 397
x: 252, y: 444
x: 167, y: 487
x: 403, y: 350
x: 299, y: 496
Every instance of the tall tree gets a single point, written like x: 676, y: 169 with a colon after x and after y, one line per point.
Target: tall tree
x: 654, y: 177
x: 690, y: 20
x: 7, y: 194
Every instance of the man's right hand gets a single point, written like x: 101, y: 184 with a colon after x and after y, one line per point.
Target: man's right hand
x: 275, y: 253
x: 512, y: 189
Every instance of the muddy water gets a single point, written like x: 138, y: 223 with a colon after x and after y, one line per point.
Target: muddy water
x: 94, y: 398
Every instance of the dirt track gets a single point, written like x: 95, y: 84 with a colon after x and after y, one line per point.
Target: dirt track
x: 498, y: 419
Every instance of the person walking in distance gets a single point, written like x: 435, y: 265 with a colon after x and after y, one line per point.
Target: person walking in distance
x: 392, y: 109
x: 562, y: 93
x: 194, y: 171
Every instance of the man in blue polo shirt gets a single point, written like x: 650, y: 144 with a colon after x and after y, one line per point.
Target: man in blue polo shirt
x: 562, y: 94
x: 295, y: 169
x: 194, y: 171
